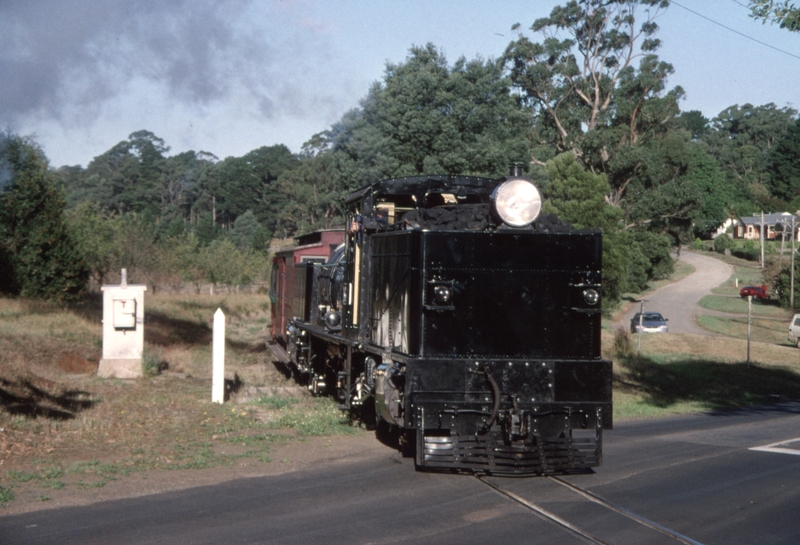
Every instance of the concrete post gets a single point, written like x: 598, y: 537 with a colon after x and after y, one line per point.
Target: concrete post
x: 218, y: 351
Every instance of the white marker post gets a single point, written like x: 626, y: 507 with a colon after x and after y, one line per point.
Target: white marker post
x: 218, y: 351
x: 749, y: 321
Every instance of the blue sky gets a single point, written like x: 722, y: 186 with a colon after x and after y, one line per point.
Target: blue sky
x: 228, y: 77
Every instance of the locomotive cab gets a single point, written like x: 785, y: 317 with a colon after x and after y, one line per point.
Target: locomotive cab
x: 461, y: 315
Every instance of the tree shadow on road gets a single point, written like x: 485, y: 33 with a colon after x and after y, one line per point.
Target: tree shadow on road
x: 712, y: 384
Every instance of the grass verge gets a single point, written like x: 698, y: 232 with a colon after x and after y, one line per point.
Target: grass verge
x: 686, y: 373
x: 650, y: 386
x: 63, y: 430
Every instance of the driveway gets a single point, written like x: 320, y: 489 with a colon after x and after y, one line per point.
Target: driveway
x: 678, y: 301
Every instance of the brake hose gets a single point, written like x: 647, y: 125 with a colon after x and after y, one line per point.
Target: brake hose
x: 496, y: 393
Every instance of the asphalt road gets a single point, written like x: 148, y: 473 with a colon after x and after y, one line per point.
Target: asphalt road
x: 678, y: 301
x: 694, y: 475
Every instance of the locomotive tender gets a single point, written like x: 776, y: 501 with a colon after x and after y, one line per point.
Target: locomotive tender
x: 459, y: 314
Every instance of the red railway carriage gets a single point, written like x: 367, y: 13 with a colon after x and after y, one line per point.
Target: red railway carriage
x: 316, y: 247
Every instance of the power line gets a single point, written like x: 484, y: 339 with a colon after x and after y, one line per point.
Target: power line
x: 735, y: 31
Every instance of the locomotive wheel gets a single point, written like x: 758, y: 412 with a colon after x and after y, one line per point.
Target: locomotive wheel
x: 395, y: 437
x: 367, y: 415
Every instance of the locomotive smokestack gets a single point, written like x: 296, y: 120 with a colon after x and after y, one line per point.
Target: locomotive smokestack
x: 515, y: 170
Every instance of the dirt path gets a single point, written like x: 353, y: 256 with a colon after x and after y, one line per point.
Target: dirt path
x: 678, y: 302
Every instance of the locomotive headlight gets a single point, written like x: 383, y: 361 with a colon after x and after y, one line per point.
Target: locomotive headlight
x: 517, y: 202
x: 591, y: 296
x: 442, y: 294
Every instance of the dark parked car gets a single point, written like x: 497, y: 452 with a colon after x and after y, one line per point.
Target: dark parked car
x: 652, y: 322
x: 759, y: 292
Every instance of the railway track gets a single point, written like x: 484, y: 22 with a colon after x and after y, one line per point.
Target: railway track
x: 575, y: 530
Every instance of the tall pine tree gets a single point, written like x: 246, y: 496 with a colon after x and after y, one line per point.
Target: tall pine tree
x: 41, y: 258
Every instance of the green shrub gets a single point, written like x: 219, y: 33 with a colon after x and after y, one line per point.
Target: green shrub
x: 6, y: 494
x: 151, y: 362
x: 277, y: 402
x: 622, y: 345
x: 722, y: 243
x: 782, y: 285
x: 749, y: 254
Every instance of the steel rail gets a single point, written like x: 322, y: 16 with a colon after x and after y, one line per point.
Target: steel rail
x: 544, y: 514
x: 582, y: 534
x: 622, y: 511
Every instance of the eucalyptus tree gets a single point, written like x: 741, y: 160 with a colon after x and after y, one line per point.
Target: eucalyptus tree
x: 426, y: 116
x: 593, y: 86
x: 238, y: 184
x: 741, y: 139
x: 718, y: 197
x: 180, y: 183
x: 784, y: 181
x: 127, y: 177
x: 584, y: 89
x: 313, y: 195
x: 785, y: 13
x: 578, y: 197
x: 695, y: 122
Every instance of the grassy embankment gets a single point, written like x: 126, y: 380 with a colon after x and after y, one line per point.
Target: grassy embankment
x: 686, y: 373
x: 62, y: 427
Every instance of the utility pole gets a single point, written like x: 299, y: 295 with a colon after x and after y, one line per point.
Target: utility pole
x: 791, y: 266
x: 762, y: 239
x: 641, y: 317
x: 783, y: 240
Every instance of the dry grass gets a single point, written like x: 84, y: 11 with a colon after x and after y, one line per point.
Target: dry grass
x: 769, y: 332
x: 63, y: 429
x: 734, y: 304
x: 720, y: 348
x: 180, y: 327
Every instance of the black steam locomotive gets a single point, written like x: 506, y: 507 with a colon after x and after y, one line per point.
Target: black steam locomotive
x: 457, y: 313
